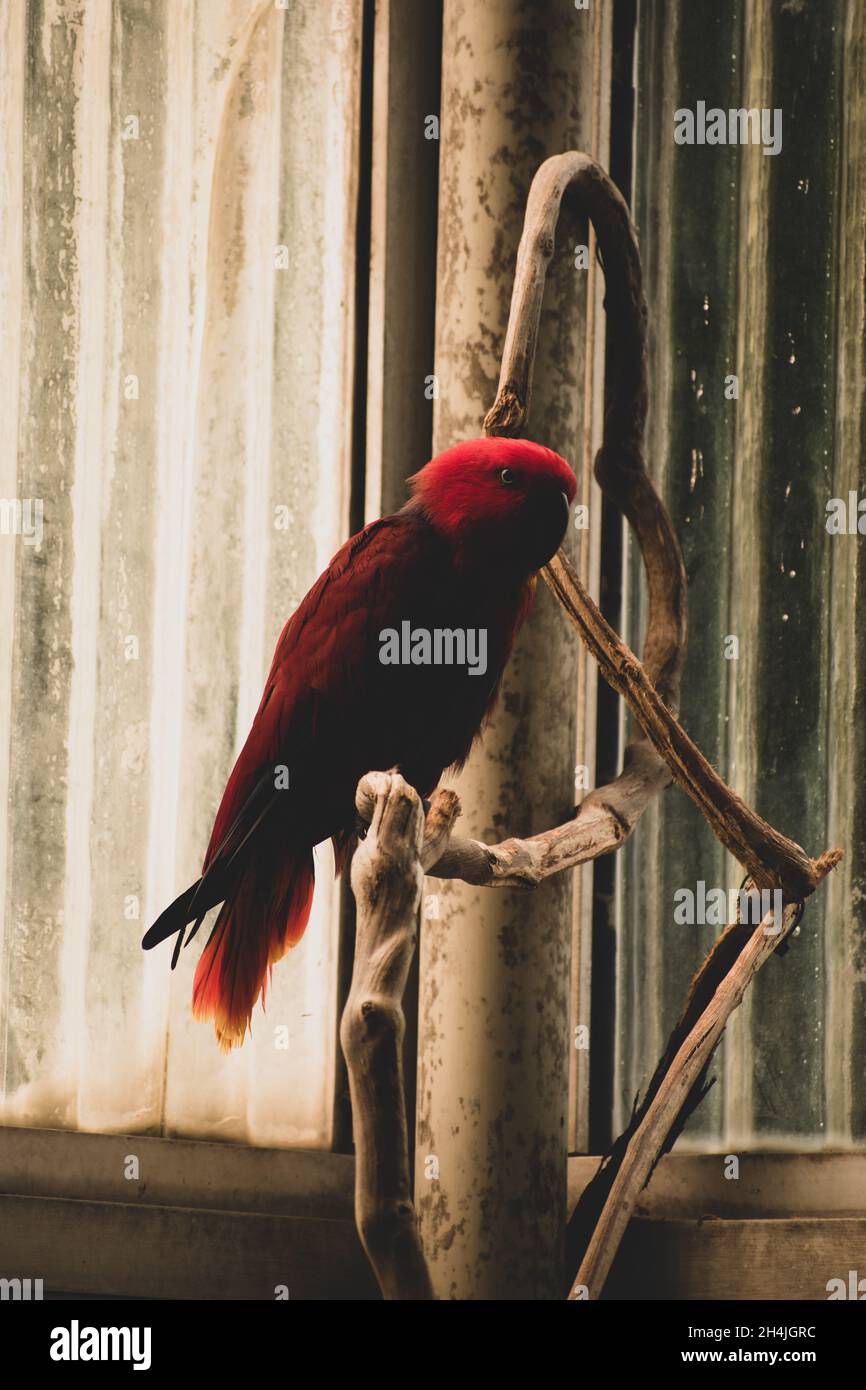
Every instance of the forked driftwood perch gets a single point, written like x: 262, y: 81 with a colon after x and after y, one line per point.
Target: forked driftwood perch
x: 659, y: 751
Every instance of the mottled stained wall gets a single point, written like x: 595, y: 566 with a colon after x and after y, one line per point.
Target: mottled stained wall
x: 153, y: 258
x: 517, y: 86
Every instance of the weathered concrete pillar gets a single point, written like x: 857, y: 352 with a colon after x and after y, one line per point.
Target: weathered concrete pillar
x: 517, y: 86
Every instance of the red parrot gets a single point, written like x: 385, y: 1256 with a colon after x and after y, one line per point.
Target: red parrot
x: 355, y: 685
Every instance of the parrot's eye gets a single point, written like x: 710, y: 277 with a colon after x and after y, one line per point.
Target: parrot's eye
x: 506, y: 476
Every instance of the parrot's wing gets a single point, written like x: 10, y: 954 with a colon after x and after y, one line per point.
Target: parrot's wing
x: 318, y: 674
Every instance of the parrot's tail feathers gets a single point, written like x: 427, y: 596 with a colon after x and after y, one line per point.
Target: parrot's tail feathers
x: 173, y: 919
x: 254, y: 929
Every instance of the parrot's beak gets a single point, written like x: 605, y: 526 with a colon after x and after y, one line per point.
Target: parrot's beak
x: 547, y: 524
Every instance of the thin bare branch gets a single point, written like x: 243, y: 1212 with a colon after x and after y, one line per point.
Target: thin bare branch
x: 677, y: 1086
x: 771, y: 859
x: 603, y: 821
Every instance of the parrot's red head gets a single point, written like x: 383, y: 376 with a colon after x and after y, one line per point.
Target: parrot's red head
x: 509, y: 496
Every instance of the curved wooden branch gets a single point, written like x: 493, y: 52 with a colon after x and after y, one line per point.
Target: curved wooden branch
x: 609, y: 814
x: 651, y: 689
x: 619, y: 465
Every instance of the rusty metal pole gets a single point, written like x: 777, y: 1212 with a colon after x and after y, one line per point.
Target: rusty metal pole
x: 520, y: 81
